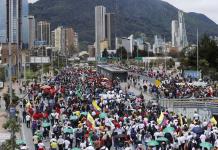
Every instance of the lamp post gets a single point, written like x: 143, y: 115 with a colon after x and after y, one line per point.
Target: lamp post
x: 9, y: 53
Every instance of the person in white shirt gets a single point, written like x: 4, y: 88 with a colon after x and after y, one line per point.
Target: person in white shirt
x: 66, y: 144
x: 28, y: 120
x: 90, y: 147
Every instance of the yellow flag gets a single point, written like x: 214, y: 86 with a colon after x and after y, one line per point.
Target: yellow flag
x: 161, y: 118
x: 157, y: 83
x: 90, y: 119
x: 180, y: 118
x: 213, y: 121
x: 95, y: 105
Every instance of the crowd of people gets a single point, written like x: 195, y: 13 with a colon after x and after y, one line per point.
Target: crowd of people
x: 174, y: 86
x: 81, y: 109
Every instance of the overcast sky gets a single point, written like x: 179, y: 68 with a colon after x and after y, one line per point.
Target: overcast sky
x: 207, y: 7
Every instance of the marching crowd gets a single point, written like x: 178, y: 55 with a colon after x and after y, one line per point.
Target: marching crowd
x: 81, y: 109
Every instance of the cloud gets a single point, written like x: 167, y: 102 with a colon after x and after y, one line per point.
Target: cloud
x: 207, y: 7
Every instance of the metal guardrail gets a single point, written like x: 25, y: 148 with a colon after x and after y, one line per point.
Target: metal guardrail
x: 201, y: 103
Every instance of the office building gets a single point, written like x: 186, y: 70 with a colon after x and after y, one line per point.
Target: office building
x: 3, y: 22
x: 32, y: 31
x: 25, y: 24
x: 18, y: 10
x: 127, y: 43
x: 65, y: 40
x: 110, y: 30
x: 60, y: 38
x: 159, y: 45
x: 53, y: 38
x: 100, y: 12
x: 178, y: 29
x: 43, y: 32
x: 175, y: 33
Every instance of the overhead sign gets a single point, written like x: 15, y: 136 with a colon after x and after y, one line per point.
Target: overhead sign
x: 39, y: 60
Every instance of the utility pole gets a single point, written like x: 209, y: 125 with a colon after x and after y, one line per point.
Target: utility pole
x: 10, y: 53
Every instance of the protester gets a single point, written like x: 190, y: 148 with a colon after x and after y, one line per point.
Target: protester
x: 81, y: 108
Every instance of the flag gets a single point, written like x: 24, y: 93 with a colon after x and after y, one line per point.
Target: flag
x: 91, y: 120
x: 180, y: 118
x: 160, y: 119
x: 157, y: 83
x: 213, y: 121
x: 95, y: 105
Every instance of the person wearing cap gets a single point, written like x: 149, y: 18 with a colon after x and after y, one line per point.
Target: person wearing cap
x: 36, y: 141
x: 60, y: 143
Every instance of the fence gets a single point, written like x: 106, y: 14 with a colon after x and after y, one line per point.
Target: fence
x: 204, y: 107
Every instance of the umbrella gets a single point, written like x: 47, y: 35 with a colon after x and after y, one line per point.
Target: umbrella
x: 73, y: 117
x: 68, y: 130
x: 102, y: 115
x: 153, y: 143
x: 20, y: 142
x: 206, y: 145
x: 162, y: 139
x: 46, y: 124
x: 84, y: 113
x: 168, y: 130
x: 198, y: 130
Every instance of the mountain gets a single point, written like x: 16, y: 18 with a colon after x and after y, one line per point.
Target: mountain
x: 132, y: 16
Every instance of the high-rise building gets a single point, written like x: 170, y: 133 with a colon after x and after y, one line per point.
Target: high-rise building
x: 32, y: 31
x: 3, y: 22
x: 179, y: 37
x: 76, y: 40
x: 175, y: 33
x: 53, y: 38
x: 182, y: 31
x: 14, y: 8
x: 159, y: 45
x: 18, y: 11
x: 99, y: 28
x: 60, y: 38
x: 66, y: 40
x: 25, y: 23
x: 43, y: 32
x: 109, y: 30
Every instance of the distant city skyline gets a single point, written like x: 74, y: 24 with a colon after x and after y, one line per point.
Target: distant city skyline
x: 206, y: 7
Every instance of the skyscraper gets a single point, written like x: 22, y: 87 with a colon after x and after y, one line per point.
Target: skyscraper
x: 183, y: 42
x: 99, y: 28
x: 59, y: 38
x: 109, y: 29
x: 25, y: 23
x: 32, y: 31
x: 175, y: 33
x: 179, y: 37
x: 43, y: 32
x: 14, y: 7
x: 18, y: 10
x: 3, y: 22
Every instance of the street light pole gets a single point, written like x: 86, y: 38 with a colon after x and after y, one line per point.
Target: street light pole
x: 197, y: 55
x: 10, y: 53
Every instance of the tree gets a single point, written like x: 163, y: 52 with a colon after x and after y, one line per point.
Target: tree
x: 105, y: 53
x: 122, y: 53
x: 208, y: 57
x: 13, y: 126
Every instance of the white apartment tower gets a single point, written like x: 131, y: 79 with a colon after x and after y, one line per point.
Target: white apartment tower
x: 100, y: 12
